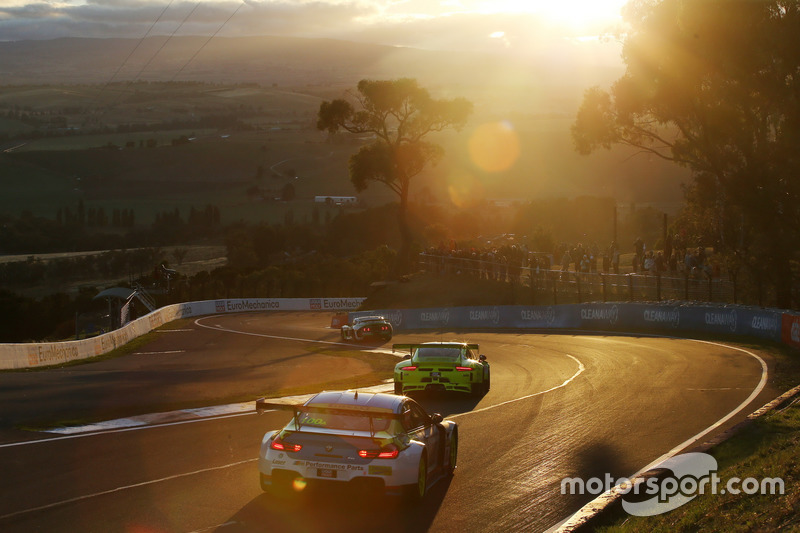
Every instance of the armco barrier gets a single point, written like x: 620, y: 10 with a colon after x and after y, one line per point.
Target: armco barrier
x: 769, y: 324
x: 29, y: 355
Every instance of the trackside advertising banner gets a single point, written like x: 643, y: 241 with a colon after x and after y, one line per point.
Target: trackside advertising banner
x: 790, y: 329
x: 30, y: 355
x: 665, y: 318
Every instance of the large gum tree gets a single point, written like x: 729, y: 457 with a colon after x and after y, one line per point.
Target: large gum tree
x: 400, y: 115
x: 714, y: 85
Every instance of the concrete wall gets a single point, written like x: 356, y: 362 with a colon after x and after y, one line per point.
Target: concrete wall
x: 29, y: 355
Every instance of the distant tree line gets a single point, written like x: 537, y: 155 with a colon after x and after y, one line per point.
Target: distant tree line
x: 75, y: 229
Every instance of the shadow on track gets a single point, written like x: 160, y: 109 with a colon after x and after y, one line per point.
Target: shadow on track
x: 445, y: 404
x: 336, y: 509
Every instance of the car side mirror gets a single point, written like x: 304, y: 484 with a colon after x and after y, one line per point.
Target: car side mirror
x: 436, y: 418
x: 406, y: 356
x: 482, y: 358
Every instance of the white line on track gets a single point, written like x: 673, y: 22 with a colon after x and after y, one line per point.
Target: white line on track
x: 577, y: 373
x: 691, y: 440
x: 159, y: 353
x: 218, y: 327
x: 126, y: 487
x: 120, y: 430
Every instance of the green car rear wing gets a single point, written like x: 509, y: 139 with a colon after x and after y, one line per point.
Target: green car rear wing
x: 411, y: 347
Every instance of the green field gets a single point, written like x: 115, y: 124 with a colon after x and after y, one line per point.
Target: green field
x: 275, y: 143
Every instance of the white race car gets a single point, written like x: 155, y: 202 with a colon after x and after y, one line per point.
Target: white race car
x: 383, y: 441
x: 367, y: 327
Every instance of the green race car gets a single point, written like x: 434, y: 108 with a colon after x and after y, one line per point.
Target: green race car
x: 441, y: 366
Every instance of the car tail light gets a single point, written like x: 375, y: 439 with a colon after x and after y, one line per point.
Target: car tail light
x: 463, y: 369
x: 366, y: 329
x: 387, y: 452
x: 408, y: 368
x: 280, y: 445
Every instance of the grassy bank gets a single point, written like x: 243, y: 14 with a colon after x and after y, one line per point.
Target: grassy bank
x: 766, y: 449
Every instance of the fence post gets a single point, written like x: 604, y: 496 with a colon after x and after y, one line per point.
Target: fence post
x: 605, y: 290
x: 686, y: 286
x: 630, y: 287
x: 658, y: 285
x: 555, y: 289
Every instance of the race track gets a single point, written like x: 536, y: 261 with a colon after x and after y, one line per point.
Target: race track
x: 560, y: 405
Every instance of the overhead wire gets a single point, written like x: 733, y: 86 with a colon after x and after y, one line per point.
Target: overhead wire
x: 165, y: 43
x: 207, y: 41
x: 133, y: 51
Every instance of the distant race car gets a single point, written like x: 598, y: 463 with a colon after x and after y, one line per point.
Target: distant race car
x: 442, y: 366
x: 367, y: 327
x: 377, y: 440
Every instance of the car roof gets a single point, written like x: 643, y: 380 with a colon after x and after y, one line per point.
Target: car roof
x: 361, y: 401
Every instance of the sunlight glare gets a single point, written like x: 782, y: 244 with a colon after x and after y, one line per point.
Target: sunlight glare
x: 571, y: 13
x: 494, y: 146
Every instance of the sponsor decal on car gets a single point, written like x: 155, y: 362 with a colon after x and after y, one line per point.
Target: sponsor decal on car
x: 377, y: 470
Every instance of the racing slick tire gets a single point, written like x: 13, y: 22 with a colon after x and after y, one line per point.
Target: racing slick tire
x: 452, y: 459
x: 488, y: 383
x: 416, y: 493
x: 398, y: 389
x: 477, y: 389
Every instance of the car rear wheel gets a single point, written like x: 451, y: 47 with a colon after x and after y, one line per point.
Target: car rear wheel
x: 416, y: 493
x: 477, y: 389
x: 398, y: 389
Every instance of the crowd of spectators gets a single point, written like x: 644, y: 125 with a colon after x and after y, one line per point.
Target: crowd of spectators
x: 507, y: 261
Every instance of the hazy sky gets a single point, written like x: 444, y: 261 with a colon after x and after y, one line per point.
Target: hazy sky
x: 517, y: 26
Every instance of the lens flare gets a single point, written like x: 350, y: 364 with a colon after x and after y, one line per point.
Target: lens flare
x: 299, y: 484
x: 494, y: 146
x: 465, y: 190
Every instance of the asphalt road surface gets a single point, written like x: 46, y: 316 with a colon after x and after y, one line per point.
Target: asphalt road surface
x: 560, y: 406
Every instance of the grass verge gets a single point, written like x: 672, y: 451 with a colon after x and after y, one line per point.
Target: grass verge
x: 765, y: 449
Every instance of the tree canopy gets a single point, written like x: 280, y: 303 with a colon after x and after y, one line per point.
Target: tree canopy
x: 401, y: 115
x: 714, y: 85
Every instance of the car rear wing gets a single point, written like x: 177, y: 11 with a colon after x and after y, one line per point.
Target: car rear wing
x: 411, y: 347
x: 263, y: 405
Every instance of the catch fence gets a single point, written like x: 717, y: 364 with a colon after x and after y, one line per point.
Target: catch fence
x: 551, y: 286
